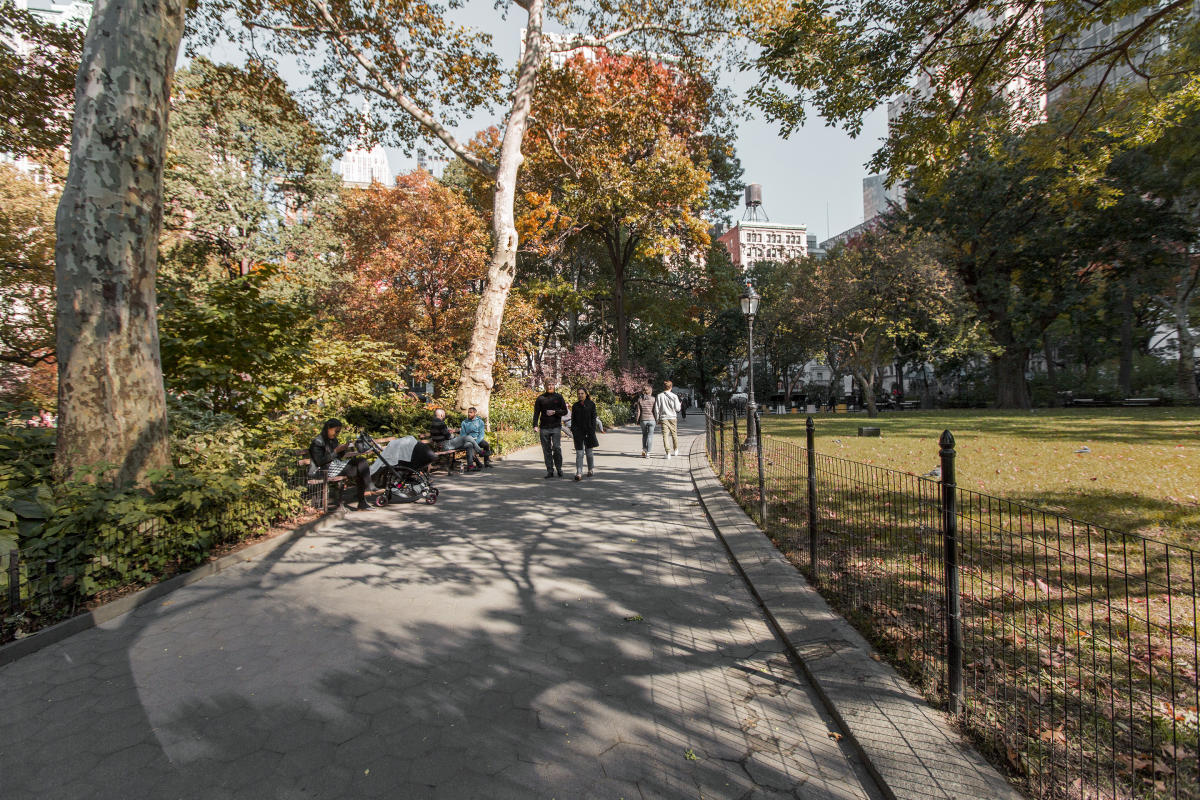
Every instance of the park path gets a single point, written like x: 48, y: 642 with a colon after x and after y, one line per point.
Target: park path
x: 524, y: 638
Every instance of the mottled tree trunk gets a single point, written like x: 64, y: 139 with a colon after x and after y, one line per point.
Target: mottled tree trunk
x: 112, y: 408
x: 476, y: 381
x: 1008, y: 369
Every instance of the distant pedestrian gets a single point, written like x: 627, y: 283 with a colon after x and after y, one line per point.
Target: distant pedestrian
x: 548, y: 412
x: 585, y: 424
x: 643, y: 414
x: 666, y: 412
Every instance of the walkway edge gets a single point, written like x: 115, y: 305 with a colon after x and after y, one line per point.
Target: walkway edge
x: 123, y: 605
x: 908, y: 746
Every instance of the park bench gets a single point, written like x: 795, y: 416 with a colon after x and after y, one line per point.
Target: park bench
x: 1142, y: 401
x: 910, y: 405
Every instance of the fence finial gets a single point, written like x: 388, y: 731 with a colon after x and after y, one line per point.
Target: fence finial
x: 947, y: 440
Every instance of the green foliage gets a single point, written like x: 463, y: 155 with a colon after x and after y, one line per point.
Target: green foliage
x: 79, y: 540
x: 38, y: 63
x: 247, y: 180
x: 227, y: 343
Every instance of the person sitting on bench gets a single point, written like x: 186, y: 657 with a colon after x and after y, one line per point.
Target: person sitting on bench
x: 325, y: 453
x: 443, y: 439
x: 474, y: 429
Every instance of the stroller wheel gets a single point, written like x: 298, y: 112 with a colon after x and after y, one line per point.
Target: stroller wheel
x: 432, y: 497
x: 381, y: 500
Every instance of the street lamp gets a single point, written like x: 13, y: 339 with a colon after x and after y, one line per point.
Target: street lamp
x: 750, y: 300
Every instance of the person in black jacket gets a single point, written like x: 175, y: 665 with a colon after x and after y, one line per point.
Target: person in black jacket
x: 325, y: 455
x: 548, y: 412
x: 585, y: 424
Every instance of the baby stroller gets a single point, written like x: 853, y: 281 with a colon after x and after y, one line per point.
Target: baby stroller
x: 399, y: 470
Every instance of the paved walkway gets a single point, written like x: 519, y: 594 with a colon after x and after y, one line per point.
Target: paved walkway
x: 523, y: 638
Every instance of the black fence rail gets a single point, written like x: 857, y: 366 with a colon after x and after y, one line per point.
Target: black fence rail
x: 1067, y: 650
x: 47, y: 580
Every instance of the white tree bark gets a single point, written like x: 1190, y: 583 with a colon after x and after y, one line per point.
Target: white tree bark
x: 112, y: 408
x: 475, y: 381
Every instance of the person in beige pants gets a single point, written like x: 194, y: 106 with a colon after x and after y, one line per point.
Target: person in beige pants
x: 666, y: 412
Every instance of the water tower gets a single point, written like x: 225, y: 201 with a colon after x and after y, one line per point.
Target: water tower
x: 754, y: 203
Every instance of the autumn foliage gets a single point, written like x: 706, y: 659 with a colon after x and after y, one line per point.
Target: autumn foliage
x: 412, y: 253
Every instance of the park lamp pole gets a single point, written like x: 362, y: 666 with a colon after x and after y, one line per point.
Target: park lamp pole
x: 750, y: 300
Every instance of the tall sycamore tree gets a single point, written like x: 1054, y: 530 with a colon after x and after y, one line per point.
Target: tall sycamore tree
x: 432, y: 72
x: 111, y: 403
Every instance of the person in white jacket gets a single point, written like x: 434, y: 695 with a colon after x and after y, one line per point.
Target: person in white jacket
x: 666, y: 412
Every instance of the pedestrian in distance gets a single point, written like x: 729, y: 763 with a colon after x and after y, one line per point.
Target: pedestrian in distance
x: 585, y: 424
x: 666, y: 412
x: 326, y: 454
x: 643, y: 414
x: 474, y: 428
x: 549, y: 410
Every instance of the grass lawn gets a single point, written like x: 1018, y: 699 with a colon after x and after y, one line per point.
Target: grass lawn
x: 1142, y: 474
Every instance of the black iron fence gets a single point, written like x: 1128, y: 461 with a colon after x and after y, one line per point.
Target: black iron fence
x: 1068, y: 651
x: 47, y: 579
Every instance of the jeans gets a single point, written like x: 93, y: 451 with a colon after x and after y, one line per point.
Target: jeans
x: 461, y: 441
x: 670, y: 435
x: 552, y: 448
x: 579, y: 455
x: 647, y: 435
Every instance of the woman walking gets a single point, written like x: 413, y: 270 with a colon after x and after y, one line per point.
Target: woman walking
x: 585, y: 424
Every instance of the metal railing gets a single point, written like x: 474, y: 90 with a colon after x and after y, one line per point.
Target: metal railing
x: 1067, y: 650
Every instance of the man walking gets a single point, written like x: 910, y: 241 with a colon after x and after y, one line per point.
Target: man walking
x: 666, y: 411
x: 548, y: 412
x: 643, y: 414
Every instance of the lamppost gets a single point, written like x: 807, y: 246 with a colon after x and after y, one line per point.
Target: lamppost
x: 750, y: 300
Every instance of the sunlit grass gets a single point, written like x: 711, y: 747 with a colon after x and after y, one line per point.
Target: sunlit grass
x: 1141, y: 473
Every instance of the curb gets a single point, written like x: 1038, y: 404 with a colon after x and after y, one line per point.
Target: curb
x: 123, y: 605
x: 907, y: 746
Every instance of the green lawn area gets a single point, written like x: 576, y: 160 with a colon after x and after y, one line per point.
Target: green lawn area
x: 1142, y: 474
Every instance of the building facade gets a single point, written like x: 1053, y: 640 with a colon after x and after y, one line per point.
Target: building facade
x: 750, y: 240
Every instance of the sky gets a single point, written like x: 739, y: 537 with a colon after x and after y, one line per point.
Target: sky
x: 813, y: 178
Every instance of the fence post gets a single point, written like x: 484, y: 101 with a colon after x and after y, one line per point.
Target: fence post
x: 737, y: 478
x: 762, y: 487
x: 954, y: 648
x: 809, y: 435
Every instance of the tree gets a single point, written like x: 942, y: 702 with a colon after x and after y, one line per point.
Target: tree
x: 639, y: 184
x: 231, y: 346
x: 978, y: 66
x: 432, y: 72
x: 413, y: 253
x: 246, y: 171
x: 881, y: 288
x: 26, y: 269
x: 1023, y: 254
x: 111, y: 404
x: 38, y: 63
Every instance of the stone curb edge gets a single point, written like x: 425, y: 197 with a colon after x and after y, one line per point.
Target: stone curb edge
x: 123, y: 605
x: 882, y: 764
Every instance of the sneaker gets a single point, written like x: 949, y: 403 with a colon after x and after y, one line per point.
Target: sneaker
x: 560, y: 473
x: 668, y: 456
x: 676, y: 451
x: 645, y: 454
x: 578, y: 477
x: 364, y: 508
x: 589, y: 473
